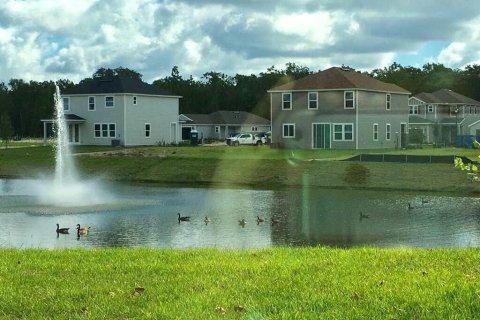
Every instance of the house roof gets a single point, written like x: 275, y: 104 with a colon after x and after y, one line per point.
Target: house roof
x: 339, y: 78
x: 445, y: 96
x: 117, y: 84
x: 228, y: 117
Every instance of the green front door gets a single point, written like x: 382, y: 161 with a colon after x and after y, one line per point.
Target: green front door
x: 321, y: 136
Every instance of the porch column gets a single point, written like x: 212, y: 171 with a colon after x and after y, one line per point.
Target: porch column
x: 44, y: 133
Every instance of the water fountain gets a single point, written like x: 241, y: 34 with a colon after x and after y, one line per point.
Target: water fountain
x: 66, y: 189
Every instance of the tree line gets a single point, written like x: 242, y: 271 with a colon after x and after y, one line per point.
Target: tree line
x: 23, y: 104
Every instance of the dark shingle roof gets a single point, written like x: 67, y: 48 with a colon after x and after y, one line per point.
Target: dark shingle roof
x: 445, y: 96
x: 117, y: 84
x: 339, y: 78
x: 228, y: 117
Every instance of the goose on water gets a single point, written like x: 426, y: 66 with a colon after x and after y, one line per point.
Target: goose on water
x: 260, y: 219
x: 62, y: 230
x: 180, y: 218
x: 82, y: 231
x: 242, y: 222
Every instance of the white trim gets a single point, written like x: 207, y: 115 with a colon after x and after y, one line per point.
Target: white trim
x: 388, y: 131
x: 356, y: 120
x: 283, y: 130
x: 125, y: 93
x: 316, y: 100
x: 68, y: 104
x: 343, y: 131
x: 134, y: 100
x: 330, y: 137
x: 94, y: 103
x: 375, y: 126
x: 388, y: 101
x: 352, y: 99
x: 149, y: 130
x: 113, y: 101
x: 101, y: 124
x: 291, y: 98
x: 340, y: 89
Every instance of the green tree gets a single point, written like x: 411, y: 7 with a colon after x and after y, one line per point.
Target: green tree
x: 6, y: 130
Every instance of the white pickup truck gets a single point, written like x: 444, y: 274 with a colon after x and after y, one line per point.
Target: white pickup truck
x: 246, y: 139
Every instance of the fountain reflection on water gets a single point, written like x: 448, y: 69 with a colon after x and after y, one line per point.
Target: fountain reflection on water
x: 66, y: 189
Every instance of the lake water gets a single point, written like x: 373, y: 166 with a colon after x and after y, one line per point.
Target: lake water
x: 146, y: 216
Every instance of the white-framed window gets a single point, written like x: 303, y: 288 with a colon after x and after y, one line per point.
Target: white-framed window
x: 148, y: 127
x: 104, y: 130
x: 375, y: 132
x: 388, y: 131
x: 134, y: 100
x: 217, y: 129
x: 109, y: 102
x: 286, y: 101
x: 312, y: 100
x: 430, y: 108
x: 66, y: 103
x: 343, y: 131
x: 91, y: 103
x: 288, y: 130
x: 349, y: 100
x: 388, y: 101
x: 254, y: 129
x: 413, y: 110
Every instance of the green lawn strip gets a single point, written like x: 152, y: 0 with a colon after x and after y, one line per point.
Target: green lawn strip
x: 277, y: 283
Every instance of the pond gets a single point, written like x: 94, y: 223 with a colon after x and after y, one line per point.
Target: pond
x: 146, y: 216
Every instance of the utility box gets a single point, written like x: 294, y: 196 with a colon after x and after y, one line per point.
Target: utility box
x: 115, y: 142
x: 194, y: 138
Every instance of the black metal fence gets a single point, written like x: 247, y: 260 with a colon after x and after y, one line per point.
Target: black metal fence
x: 407, y: 158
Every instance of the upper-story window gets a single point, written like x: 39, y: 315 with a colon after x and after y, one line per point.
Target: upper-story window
x: 286, y: 101
x: 413, y: 110
x: 388, y: 101
x: 312, y: 100
x: 217, y: 129
x: 66, y: 104
x: 254, y: 129
x: 134, y: 100
x: 109, y: 102
x: 430, y: 108
x: 349, y: 100
x: 91, y: 103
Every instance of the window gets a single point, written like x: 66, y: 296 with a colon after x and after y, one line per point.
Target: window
x: 388, y: 100
x: 134, y: 100
x: 388, y: 131
x: 343, y: 132
x: 413, y: 110
x: 312, y: 100
x: 375, y: 131
x: 109, y: 103
x: 254, y: 129
x: 430, y: 108
x: 288, y: 130
x: 104, y: 130
x: 217, y: 129
x: 66, y: 104
x: 349, y: 100
x: 286, y: 101
x: 147, y: 130
x: 91, y: 103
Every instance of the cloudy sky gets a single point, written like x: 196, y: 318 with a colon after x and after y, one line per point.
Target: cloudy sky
x: 71, y: 39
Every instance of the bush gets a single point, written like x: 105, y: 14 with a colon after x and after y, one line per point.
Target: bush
x: 356, y: 174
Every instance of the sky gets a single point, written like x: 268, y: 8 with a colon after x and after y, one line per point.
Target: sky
x: 46, y: 40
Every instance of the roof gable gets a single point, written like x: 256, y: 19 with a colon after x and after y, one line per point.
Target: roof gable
x: 445, y: 96
x: 228, y: 117
x: 339, y: 78
x: 117, y: 84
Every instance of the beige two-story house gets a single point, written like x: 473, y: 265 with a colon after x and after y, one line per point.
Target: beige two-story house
x: 339, y: 108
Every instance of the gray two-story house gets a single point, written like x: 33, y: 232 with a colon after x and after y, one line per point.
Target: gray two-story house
x: 120, y: 110
x: 442, y: 115
x: 339, y: 108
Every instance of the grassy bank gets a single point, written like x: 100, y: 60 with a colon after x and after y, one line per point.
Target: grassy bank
x: 281, y: 283
x: 244, y: 166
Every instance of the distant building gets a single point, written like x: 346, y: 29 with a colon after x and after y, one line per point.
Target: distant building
x: 219, y: 125
x: 339, y: 108
x: 120, y: 110
x: 441, y: 115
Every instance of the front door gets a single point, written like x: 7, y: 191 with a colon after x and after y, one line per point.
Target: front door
x: 321, y: 135
x: 74, y: 133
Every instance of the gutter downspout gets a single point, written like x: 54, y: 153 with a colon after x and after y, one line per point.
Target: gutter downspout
x: 124, y: 120
x: 356, y: 120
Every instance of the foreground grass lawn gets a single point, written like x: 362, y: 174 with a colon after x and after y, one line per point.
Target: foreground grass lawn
x: 279, y: 283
